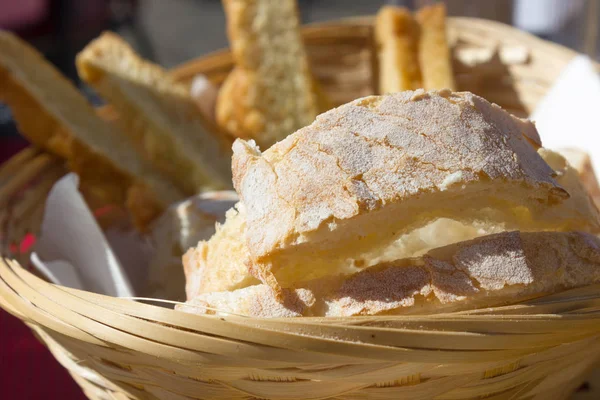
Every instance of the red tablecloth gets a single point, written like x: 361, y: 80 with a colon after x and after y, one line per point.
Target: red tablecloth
x: 27, y: 369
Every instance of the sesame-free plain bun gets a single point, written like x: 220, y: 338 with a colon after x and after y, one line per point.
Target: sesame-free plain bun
x: 379, y: 183
x: 365, y: 173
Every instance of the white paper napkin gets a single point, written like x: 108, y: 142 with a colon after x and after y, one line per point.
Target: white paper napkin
x: 72, y: 250
x: 59, y: 272
x: 569, y: 115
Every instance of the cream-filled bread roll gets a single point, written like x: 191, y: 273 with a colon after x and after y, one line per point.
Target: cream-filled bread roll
x: 367, y: 172
x: 380, y: 179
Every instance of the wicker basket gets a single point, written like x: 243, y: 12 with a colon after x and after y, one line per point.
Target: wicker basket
x: 119, y: 349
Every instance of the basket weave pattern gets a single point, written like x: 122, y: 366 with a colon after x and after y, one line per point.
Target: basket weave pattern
x: 119, y: 349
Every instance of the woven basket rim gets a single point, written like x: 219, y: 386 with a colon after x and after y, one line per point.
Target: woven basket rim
x: 473, y: 336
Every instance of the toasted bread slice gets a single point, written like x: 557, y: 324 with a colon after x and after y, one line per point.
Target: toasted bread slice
x: 365, y: 173
x: 435, y: 59
x: 270, y: 93
x: 492, y: 270
x: 159, y: 114
x: 53, y: 114
x: 397, y: 42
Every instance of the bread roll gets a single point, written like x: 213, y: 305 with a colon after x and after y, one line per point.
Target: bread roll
x: 220, y: 263
x: 53, y: 114
x: 223, y: 262
x: 270, y: 93
x: 365, y: 173
x: 489, y: 271
x: 159, y: 114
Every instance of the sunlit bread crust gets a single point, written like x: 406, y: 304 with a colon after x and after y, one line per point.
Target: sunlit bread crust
x: 435, y: 59
x: 225, y: 262
x: 492, y: 270
x: 221, y: 263
x: 366, y: 172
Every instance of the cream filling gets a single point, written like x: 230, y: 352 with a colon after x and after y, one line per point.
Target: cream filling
x: 430, y: 220
x: 402, y: 231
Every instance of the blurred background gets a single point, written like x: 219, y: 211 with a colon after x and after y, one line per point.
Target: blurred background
x: 171, y: 32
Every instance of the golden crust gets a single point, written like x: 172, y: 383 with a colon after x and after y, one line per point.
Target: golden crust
x: 237, y: 116
x: 52, y: 113
x: 366, y: 172
x: 502, y: 180
x: 271, y: 92
x: 435, y: 59
x: 218, y: 272
x: 397, y: 41
x: 492, y: 270
x: 159, y: 114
